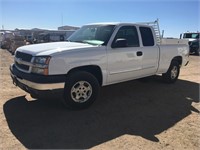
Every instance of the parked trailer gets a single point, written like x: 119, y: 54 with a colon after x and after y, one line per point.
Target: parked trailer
x: 53, y: 36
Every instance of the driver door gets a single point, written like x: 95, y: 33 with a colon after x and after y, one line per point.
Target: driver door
x: 124, y: 55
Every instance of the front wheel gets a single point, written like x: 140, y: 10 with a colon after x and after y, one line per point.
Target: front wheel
x: 81, y: 90
x: 173, y: 72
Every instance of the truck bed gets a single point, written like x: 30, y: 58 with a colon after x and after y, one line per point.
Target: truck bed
x: 169, y: 41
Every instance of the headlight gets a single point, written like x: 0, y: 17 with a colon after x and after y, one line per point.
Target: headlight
x: 42, y: 60
x: 41, y: 64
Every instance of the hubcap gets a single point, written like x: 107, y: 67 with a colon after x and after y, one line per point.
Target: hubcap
x: 81, y: 91
x: 174, y: 72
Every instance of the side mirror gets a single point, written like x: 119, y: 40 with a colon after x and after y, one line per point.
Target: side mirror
x: 119, y: 43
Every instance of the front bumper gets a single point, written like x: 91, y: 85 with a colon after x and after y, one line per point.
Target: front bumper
x: 194, y: 49
x: 38, y: 85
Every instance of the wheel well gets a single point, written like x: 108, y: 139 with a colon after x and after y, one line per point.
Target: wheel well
x: 94, y: 70
x: 178, y: 59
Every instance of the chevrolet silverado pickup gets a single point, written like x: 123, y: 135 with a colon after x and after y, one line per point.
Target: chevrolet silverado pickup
x: 96, y: 55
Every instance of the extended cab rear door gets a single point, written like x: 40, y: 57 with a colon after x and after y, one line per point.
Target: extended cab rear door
x: 150, y: 50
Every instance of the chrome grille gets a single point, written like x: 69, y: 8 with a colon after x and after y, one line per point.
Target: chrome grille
x: 24, y: 57
x: 21, y: 66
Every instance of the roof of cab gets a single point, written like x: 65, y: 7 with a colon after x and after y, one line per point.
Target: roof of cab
x: 116, y: 23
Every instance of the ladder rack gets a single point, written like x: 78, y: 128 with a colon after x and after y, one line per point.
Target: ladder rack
x: 156, y: 28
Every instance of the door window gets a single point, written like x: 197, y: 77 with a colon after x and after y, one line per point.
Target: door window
x: 129, y: 36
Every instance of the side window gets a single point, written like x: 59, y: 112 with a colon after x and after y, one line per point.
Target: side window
x: 147, y: 36
x: 129, y: 35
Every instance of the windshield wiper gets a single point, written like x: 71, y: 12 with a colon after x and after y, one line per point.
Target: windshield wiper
x: 85, y: 42
x: 79, y: 41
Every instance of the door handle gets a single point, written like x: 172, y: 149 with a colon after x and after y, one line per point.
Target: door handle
x: 139, y: 53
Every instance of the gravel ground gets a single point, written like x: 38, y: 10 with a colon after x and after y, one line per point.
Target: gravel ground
x: 132, y: 115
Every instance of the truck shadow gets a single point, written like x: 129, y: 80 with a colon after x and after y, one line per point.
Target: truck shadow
x: 134, y: 108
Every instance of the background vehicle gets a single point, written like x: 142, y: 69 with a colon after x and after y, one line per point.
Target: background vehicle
x: 53, y: 36
x: 50, y: 37
x: 16, y: 42
x: 194, y: 41
x: 97, y: 55
x: 1, y: 38
x: 29, y: 39
x: 5, y: 39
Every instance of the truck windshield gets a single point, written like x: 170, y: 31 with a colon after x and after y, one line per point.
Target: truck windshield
x: 93, y: 34
x: 191, y: 35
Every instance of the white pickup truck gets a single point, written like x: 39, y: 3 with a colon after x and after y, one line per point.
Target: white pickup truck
x: 96, y: 55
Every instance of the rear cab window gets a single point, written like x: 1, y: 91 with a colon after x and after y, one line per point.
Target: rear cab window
x: 147, y: 36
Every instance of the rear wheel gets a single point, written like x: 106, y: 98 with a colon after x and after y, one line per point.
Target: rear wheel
x: 173, y: 72
x: 81, y: 90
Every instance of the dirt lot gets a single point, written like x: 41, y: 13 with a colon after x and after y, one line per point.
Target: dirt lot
x: 131, y: 115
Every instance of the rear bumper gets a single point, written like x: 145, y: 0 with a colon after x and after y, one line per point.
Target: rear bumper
x: 38, y: 85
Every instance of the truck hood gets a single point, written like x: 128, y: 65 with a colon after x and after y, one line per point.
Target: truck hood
x: 50, y: 48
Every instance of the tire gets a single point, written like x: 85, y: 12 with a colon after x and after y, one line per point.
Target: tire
x: 197, y: 52
x: 81, y: 90
x: 173, y: 72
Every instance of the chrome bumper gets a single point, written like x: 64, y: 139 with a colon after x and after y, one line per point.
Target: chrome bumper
x: 42, y: 82
x: 37, y: 86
